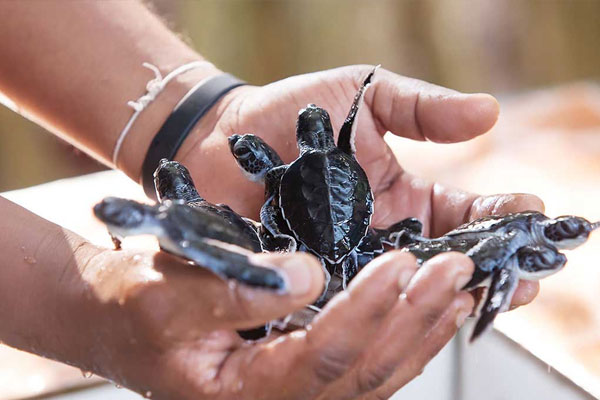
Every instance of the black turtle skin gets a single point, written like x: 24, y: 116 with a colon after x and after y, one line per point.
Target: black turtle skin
x: 174, y: 182
x: 504, y: 249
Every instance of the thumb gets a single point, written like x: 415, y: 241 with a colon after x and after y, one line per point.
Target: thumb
x: 423, y: 111
x: 249, y: 307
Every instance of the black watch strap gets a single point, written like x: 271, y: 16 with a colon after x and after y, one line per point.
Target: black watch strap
x: 179, y: 124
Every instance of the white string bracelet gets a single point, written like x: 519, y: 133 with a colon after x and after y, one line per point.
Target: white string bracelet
x: 153, y: 88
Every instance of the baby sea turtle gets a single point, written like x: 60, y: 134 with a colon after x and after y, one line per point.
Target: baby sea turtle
x: 173, y: 182
x: 322, y: 202
x: 210, y: 235
x: 504, y: 249
x: 195, y: 234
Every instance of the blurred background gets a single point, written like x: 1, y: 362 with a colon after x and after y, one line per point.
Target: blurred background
x: 541, y: 58
x: 474, y: 46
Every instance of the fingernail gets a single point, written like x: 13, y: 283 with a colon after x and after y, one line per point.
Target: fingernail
x: 296, y: 270
x: 461, y: 280
x: 461, y: 316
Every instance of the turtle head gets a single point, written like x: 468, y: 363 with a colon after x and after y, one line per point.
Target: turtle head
x: 126, y: 217
x: 313, y: 129
x: 568, y: 232
x: 174, y: 182
x: 253, y: 155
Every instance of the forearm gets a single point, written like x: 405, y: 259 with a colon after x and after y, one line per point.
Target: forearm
x: 46, y: 303
x: 72, y: 67
x: 38, y: 261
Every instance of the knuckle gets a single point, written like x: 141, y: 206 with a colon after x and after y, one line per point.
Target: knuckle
x: 371, y: 378
x: 446, y: 265
x: 331, y: 364
x: 430, y: 317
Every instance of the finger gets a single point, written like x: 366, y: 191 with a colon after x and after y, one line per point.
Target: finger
x: 430, y: 292
x: 246, y: 306
x: 420, y: 110
x: 525, y: 293
x: 452, y: 207
x: 328, y: 348
x: 501, y: 204
x: 432, y: 344
x: 192, y: 301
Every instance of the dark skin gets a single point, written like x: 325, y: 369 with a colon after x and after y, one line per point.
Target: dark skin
x: 73, y: 66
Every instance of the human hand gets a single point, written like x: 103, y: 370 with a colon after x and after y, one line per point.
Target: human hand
x: 168, y: 330
x: 404, y: 106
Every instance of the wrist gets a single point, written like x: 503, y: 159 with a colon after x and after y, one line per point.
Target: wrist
x: 135, y: 145
x: 207, y: 155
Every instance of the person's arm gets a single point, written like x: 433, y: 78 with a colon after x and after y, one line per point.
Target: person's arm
x: 166, y: 329
x: 72, y: 66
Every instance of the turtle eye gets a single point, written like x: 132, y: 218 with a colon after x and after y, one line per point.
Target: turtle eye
x: 539, y: 259
x: 241, y: 151
x: 566, y: 228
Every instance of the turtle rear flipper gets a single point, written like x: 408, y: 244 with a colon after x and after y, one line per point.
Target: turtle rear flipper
x: 500, y: 293
x: 227, y: 261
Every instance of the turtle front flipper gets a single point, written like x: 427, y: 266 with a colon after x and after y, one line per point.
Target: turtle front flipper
x: 350, y: 268
x: 403, y: 233
x: 348, y: 130
x: 491, y: 254
x: 228, y: 262
x: 499, y: 295
x: 270, y: 234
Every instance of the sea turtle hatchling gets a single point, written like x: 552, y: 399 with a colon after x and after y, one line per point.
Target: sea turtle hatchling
x: 173, y: 182
x: 322, y: 202
x: 504, y: 249
x: 211, y: 236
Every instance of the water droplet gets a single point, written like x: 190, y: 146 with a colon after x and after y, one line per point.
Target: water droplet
x: 218, y: 311
x: 238, y: 386
x: 23, y: 249
x: 137, y: 257
x: 118, y: 386
x: 121, y: 301
x: 148, y: 394
x: 185, y: 243
x: 86, y: 374
x: 30, y: 260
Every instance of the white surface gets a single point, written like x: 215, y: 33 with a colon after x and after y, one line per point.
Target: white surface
x: 496, y: 368
x: 437, y: 380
